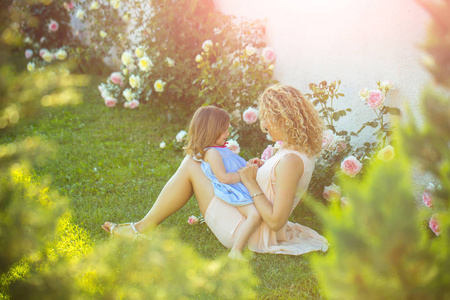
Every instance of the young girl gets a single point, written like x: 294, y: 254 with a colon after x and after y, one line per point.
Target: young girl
x: 207, y: 136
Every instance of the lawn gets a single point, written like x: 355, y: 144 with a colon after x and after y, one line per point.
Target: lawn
x: 109, y: 165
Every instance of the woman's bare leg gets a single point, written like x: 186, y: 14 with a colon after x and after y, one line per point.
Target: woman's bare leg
x: 188, y: 179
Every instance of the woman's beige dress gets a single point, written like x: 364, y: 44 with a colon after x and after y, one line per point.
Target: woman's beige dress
x: 224, y: 219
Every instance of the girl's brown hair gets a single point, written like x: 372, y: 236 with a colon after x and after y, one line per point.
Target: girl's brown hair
x: 287, y: 109
x: 206, y: 126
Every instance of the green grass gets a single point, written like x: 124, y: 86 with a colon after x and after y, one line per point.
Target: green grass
x: 109, y: 165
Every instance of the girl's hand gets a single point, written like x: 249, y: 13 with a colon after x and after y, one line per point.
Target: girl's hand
x: 248, y: 174
x: 255, y: 161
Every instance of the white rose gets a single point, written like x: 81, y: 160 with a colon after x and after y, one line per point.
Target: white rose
x: 135, y: 81
x: 170, y: 62
x: 159, y: 85
x: 139, y: 52
x: 31, y: 67
x: 80, y: 14
x: 180, y: 135
x: 145, y: 64
x: 94, y: 5
x: 47, y: 56
x: 386, y: 85
x: 128, y: 94
x: 364, y: 94
x: 249, y: 50
x: 207, y: 45
x: 126, y: 58
x: 61, y: 54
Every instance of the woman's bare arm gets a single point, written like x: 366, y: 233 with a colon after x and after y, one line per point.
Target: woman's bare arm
x: 288, y: 173
x: 214, y: 159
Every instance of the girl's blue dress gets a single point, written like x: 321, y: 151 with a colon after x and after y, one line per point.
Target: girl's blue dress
x: 235, y: 194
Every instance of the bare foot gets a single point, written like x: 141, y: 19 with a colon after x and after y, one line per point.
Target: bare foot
x: 237, y: 255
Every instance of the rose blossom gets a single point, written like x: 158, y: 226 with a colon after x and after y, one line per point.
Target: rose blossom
x: 128, y: 94
x: 135, y: 81
x: 134, y: 104
x: 139, y: 51
x: 69, y: 5
x: 434, y: 225
x: 42, y: 52
x: 233, y: 146
x: 28, y: 53
x: 351, y: 166
x: 250, y: 115
x: 80, y: 14
x: 126, y: 58
x: 145, y: 64
x: 267, y: 153
x: 386, y: 85
x: 386, y: 154
x: 61, y: 54
x: 268, y: 55
x: 47, y: 56
x: 328, y: 139
x: 364, y: 94
x: 375, y: 99
x: 53, y: 26
x: 207, y: 45
x: 170, y: 62
x: 180, y: 135
x: 249, y: 50
x: 192, y: 220
x: 116, y: 78
x: 427, y: 195
x: 31, y: 66
x: 159, y: 85
x: 94, y: 5
x: 332, y: 192
x: 110, y: 102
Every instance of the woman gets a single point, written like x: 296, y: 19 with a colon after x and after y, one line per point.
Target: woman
x: 276, y: 186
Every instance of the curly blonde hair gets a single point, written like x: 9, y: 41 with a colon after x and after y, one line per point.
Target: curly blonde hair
x: 287, y: 109
x: 206, y: 126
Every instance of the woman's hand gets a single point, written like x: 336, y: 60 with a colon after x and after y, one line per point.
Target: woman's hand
x: 255, y: 161
x: 248, y: 174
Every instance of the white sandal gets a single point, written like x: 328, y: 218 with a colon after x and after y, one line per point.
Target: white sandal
x: 111, y: 230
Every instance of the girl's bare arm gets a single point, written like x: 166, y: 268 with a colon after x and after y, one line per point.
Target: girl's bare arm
x: 214, y: 159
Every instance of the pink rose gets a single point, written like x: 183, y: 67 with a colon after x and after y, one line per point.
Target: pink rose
x: 351, y: 166
x: 110, y: 101
x: 42, y: 52
x: 341, y: 146
x: 28, y: 53
x: 192, y: 220
x: 116, y: 78
x: 267, y: 153
x: 327, y: 139
x: 134, y: 104
x: 69, y: 5
x: 53, y: 26
x: 268, y: 55
x: 375, y: 99
x: 332, y: 192
x: 250, y: 115
x: 434, y: 225
x: 427, y: 195
x: 233, y: 146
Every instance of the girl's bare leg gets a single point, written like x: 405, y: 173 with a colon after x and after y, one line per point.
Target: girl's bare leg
x: 188, y: 179
x: 246, y: 230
